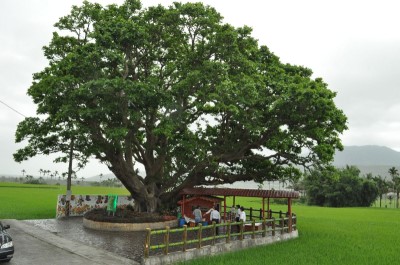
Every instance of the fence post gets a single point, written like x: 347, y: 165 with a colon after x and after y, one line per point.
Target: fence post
x: 253, y: 228
x: 199, y: 235
x: 228, y: 237
x: 280, y: 214
x: 261, y: 214
x: 184, y: 237
x: 282, y: 224
x: 147, y: 243
x: 166, y: 240
x: 294, y: 219
x: 241, y: 230
x: 213, y: 233
x: 264, y: 228
x: 273, y: 226
x: 251, y: 213
x: 290, y: 223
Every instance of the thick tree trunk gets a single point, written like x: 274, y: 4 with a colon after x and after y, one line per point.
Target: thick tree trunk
x: 146, y: 198
x: 150, y: 205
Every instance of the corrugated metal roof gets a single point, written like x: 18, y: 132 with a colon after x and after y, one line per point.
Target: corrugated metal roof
x: 240, y: 192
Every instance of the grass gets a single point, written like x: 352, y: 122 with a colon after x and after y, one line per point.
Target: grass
x: 24, y: 201
x: 326, y: 235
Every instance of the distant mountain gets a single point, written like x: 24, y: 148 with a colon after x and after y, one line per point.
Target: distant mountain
x: 368, y: 158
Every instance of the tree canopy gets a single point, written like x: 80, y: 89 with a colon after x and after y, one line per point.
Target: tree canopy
x: 341, y: 187
x: 394, y: 173
x: 191, y: 99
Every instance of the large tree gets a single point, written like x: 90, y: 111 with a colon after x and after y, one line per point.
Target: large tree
x: 382, y: 185
x: 193, y: 100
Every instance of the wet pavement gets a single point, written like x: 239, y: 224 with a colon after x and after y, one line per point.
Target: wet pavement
x: 68, y: 236
x: 126, y: 244
x: 34, y: 245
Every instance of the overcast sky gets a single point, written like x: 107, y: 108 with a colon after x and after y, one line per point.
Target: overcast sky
x: 353, y: 45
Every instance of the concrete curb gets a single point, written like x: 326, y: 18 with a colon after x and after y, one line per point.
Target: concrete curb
x: 105, y: 226
x: 76, y: 248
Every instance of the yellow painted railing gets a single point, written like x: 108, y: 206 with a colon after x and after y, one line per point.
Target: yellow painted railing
x: 268, y: 227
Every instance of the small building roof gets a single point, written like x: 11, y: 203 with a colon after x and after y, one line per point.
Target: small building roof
x: 241, y: 192
x: 204, y: 198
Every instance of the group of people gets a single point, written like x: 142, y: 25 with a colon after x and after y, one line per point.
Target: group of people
x: 215, y: 216
x: 237, y: 214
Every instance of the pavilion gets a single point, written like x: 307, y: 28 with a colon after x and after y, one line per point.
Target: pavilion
x: 228, y: 192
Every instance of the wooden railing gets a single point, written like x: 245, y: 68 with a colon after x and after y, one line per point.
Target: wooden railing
x: 257, y: 214
x: 268, y: 227
x: 267, y: 213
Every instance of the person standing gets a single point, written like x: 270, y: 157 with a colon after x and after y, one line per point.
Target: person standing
x: 197, y: 215
x: 237, y: 218
x: 242, y: 215
x: 214, y: 217
x: 238, y: 213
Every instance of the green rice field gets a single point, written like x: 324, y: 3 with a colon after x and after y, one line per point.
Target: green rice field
x: 326, y: 235
x: 31, y: 201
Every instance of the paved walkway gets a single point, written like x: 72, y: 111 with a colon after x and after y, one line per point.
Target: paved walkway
x: 34, y: 245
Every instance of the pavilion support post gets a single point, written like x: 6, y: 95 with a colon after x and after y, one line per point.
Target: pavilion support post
x: 290, y: 214
x: 263, y: 208
x: 224, y: 208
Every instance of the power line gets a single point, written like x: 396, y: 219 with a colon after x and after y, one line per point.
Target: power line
x: 12, y: 109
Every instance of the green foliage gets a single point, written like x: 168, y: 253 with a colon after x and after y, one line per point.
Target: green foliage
x: 339, y: 188
x: 191, y: 99
x: 107, y: 183
x: 381, y: 184
x: 394, y: 173
x: 30, y: 180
